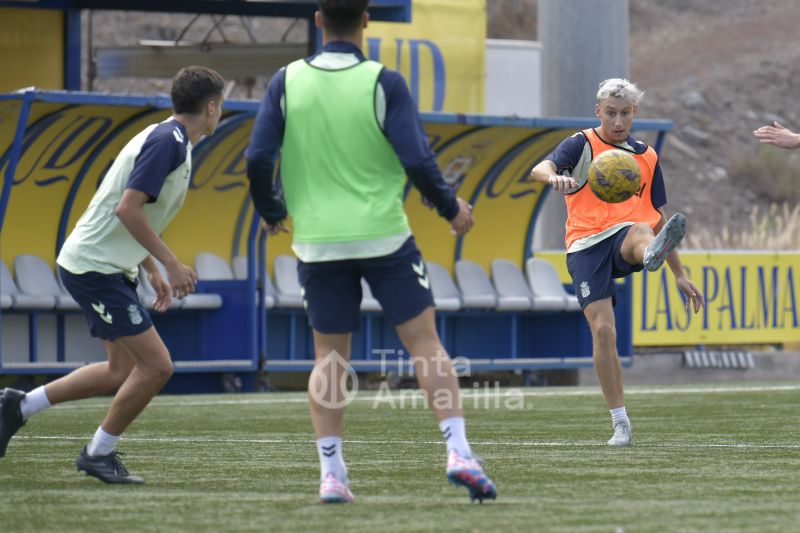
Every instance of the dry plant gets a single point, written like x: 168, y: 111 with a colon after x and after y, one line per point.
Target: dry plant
x: 776, y: 228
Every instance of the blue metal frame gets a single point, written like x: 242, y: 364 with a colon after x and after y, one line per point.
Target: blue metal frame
x: 72, y: 50
x: 255, y: 285
x: 382, y: 10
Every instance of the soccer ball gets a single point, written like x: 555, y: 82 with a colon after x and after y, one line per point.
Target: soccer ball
x: 614, y: 176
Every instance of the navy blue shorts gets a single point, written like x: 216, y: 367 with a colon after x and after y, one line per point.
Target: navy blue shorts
x: 594, y: 269
x: 332, y: 289
x: 109, y: 302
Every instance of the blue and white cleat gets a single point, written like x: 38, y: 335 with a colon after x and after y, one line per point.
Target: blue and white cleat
x: 469, y: 473
x: 331, y: 490
x: 667, y: 240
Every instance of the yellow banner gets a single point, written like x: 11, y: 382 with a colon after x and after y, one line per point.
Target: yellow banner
x: 440, y: 53
x: 751, y: 298
x: 62, y: 155
x: 31, y: 48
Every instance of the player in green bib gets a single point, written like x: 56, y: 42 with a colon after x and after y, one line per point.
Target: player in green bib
x: 349, y: 135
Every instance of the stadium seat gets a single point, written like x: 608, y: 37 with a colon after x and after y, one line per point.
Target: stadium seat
x: 476, y: 288
x: 513, y: 293
x: 368, y: 301
x: 36, y: 278
x: 445, y: 293
x: 209, y: 266
x: 288, y: 292
x: 14, y: 299
x: 548, y: 291
x: 240, y: 273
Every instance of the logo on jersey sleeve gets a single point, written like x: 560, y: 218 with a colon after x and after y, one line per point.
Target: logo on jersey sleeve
x: 178, y: 134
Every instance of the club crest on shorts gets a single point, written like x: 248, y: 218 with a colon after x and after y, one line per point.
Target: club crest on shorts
x: 134, y: 314
x: 585, y: 291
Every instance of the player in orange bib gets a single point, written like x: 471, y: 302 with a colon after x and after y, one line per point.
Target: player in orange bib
x: 607, y: 241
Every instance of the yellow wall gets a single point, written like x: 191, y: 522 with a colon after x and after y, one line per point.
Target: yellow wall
x: 752, y: 298
x: 31, y: 48
x: 440, y: 53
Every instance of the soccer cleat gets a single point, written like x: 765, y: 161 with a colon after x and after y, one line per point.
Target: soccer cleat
x: 469, y: 473
x: 331, y: 490
x: 667, y: 240
x: 10, y: 416
x: 108, y: 468
x: 623, y: 435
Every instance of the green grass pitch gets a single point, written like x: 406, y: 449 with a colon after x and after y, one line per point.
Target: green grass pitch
x: 705, y: 459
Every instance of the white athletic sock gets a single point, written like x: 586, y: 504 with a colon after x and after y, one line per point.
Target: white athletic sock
x: 331, y: 458
x: 455, y: 436
x: 33, y: 402
x: 619, y: 414
x: 102, y: 443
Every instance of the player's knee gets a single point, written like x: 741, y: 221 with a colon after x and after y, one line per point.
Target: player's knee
x: 161, y: 370
x: 605, y: 332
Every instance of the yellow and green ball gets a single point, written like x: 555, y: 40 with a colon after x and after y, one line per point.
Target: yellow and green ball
x: 614, y: 176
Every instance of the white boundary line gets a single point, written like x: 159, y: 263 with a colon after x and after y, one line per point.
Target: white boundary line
x: 532, y: 444
x: 396, y: 395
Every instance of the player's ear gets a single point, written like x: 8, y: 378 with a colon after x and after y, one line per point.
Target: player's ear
x: 318, y: 19
x: 365, y: 20
x: 597, y: 109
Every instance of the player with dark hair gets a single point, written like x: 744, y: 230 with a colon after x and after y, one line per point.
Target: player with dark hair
x: 349, y: 133
x: 99, y: 263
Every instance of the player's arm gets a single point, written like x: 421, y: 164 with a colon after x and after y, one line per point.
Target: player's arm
x: 261, y: 153
x: 403, y: 129
x: 693, y: 295
x: 130, y: 211
x: 554, y: 169
x: 161, y: 154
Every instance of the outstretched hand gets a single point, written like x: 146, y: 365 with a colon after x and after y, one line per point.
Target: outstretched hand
x: 463, y: 221
x: 692, y: 294
x: 779, y: 135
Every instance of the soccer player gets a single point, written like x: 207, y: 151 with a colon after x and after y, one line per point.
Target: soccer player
x: 98, y: 264
x: 606, y: 241
x: 779, y: 135
x: 348, y: 133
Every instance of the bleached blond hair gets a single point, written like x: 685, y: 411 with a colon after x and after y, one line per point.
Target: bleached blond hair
x: 619, y: 88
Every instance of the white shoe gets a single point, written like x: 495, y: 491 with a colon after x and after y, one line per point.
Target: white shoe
x: 667, y: 240
x: 331, y: 490
x: 623, y: 436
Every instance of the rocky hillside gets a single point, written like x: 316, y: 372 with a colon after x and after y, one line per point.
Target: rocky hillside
x: 718, y: 70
